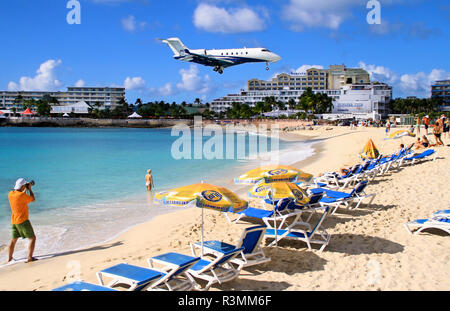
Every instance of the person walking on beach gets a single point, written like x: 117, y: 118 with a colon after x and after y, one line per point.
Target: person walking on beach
x: 388, y: 126
x: 437, y: 131
x: 444, y: 124
x: 20, y: 224
x: 426, y: 121
x: 149, y: 180
x: 418, y: 126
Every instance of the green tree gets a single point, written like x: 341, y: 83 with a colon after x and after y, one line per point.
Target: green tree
x: 43, y: 108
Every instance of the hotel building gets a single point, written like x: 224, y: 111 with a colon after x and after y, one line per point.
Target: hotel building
x: 441, y: 89
x: 105, y: 96
x: 351, y: 90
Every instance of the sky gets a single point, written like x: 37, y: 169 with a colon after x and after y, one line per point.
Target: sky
x: 115, y: 43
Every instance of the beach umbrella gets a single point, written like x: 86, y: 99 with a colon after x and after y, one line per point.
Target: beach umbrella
x: 370, y: 151
x: 135, y: 115
x: 279, y: 190
x: 27, y: 112
x: 273, y: 173
x: 202, y: 195
x: 399, y: 134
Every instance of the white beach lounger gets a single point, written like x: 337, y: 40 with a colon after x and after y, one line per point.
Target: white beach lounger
x: 251, y: 242
x: 309, y: 235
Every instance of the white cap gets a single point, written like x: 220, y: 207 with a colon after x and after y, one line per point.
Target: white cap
x: 20, y: 183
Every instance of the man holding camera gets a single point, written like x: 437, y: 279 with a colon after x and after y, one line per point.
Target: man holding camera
x: 20, y: 224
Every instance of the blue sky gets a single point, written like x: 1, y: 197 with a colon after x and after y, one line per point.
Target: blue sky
x: 115, y: 44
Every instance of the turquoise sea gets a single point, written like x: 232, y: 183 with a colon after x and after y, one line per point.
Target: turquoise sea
x: 90, y: 182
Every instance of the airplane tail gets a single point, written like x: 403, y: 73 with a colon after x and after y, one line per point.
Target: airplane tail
x: 175, y: 44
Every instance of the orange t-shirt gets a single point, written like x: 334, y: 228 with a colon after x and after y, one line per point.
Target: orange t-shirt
x: 19, y: 206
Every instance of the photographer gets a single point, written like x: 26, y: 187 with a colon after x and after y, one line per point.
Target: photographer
x: 20, y: 224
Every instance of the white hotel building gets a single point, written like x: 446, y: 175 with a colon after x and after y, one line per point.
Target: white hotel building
x: 354, y: 95
x: 104, y: 96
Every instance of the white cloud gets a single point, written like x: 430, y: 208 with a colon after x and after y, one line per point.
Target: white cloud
x: 165, y: 90
x: 380, y: 73
x: 135, y: 83
x: 419, y: 83
x: 45, y: 79
x: 192, y: 82
x: 410, y: 84
x: 318, y: 13
x: 303, y: 68
x: 80, y: 83
x: 220, y: 20
x: 130, y: 24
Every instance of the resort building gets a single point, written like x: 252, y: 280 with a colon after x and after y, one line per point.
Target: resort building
x: 350, y: 88
x: 334, y: 78
x: 441, y: 89
x: 94, y: 96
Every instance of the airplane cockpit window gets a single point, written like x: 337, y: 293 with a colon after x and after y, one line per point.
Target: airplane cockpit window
x: 265, y: 50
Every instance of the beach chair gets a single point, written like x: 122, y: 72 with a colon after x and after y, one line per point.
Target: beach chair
x: 336, y: 198
x: 442, y: 213
x: 80, y: 286
x: 437, y: 222
x: 279, y: 214
x: 419, y: 157
x: 216, y: 270
x: 172, y: 277
x: 302, y: 231
x: 316, y: 194
x: 250, y: 240
x: 334, y: 180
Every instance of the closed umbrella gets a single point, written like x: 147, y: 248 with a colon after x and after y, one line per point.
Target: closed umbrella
x: 370, y: 151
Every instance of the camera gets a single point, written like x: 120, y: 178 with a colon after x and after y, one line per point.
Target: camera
x: 31, y: 183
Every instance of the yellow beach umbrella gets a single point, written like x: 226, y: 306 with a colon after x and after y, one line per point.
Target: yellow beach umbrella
x: 204, y: 196
x: 370, y: 151
x: 279, y: 190
x: 400, y: 133
x: 273, y: 173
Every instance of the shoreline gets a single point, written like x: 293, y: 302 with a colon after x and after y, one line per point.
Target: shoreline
x: 52, y: 251
x: 360, y: 240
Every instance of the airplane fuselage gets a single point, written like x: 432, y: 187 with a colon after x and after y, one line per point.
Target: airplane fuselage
x: 223, y: 58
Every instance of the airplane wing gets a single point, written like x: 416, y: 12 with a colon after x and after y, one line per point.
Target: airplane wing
x: 208, y: 60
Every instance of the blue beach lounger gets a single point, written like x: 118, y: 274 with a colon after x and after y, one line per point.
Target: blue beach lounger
x: 174, y: 266
x: 279, y: 214
x: 337, y: 198
x: 139, y: 278
x: 334, y: 180
x: 308, y: 235
x: 83, y: 287
x: 216, y: 270
x: 250, y: 240
x: 419, y: 157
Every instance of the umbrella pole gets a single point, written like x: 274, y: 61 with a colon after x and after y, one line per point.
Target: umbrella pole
x: 202, y: 229
x: 275, y: 219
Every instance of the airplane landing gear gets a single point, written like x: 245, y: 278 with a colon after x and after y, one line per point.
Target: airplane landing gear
x: 218, y: 69
x: 267, y: 66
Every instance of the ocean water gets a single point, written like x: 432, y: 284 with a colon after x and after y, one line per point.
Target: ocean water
x: 90, y: 183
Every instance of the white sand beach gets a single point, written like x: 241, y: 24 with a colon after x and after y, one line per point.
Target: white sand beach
x: 369, y: 247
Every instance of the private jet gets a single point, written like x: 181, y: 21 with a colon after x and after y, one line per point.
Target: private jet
x: 221, y: 59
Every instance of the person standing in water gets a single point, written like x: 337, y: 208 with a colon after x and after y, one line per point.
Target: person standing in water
x: 149, y: 180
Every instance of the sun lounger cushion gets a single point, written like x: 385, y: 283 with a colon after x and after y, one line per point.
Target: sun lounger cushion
x: 83, y: 286
x: 138, y: 274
